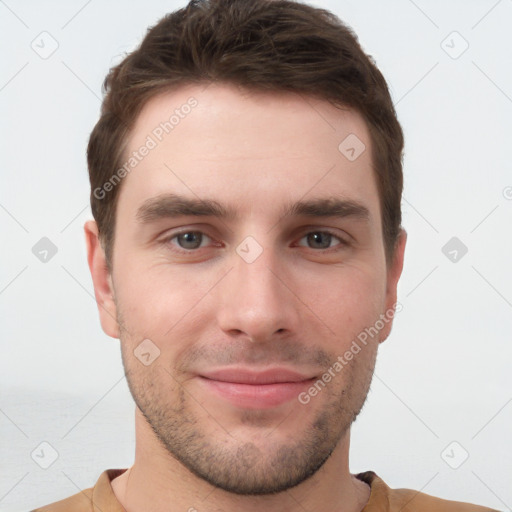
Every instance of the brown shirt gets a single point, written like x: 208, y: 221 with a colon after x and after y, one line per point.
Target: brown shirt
x: 101, y: 498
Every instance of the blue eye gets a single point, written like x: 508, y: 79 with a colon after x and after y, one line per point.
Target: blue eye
x: 189, y: 240
x: 321, y: 240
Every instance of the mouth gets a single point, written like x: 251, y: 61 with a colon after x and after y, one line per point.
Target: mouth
x: 251, y: 389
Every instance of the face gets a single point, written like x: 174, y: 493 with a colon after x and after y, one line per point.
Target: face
x: 248, y: 258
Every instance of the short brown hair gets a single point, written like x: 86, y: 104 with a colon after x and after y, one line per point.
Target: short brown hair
x: 264, y: 45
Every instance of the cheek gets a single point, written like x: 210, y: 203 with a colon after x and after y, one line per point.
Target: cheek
x: 347, y: 299
x: 157, y: 301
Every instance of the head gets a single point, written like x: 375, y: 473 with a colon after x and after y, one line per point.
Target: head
x: 246, y: 179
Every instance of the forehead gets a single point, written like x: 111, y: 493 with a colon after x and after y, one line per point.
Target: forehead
x: 250, y: 149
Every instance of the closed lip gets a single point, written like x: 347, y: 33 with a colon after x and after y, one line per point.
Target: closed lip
x: 238, y: 375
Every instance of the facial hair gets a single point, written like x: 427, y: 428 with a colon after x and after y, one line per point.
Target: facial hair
x: 241, y: 466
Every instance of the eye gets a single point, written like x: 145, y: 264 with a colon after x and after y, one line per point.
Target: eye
x: 190, y: 240
x: 320, y: 240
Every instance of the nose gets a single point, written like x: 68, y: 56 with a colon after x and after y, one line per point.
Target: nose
x: 257, y: 301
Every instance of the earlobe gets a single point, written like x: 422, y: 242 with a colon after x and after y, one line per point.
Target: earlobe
x: 102, y: 280
x: 393, y: 275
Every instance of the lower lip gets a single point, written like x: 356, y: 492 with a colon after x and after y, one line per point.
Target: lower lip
x: 256, y: 396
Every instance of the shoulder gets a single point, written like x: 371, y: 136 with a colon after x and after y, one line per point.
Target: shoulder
x: 408, y: 500
x: 101, y: 497
x: 80, y: 502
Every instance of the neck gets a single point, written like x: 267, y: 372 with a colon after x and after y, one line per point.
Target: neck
x: 158, y: 478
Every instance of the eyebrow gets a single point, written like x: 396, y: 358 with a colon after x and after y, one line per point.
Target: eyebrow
x: 173, y: 205
x: 328, y: 207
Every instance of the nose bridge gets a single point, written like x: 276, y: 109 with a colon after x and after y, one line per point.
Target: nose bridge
x: 256, y: 281
x: 254, y: 299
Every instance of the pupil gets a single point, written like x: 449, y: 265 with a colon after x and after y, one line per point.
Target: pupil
x: 321, y: 240
x: 191, y: 240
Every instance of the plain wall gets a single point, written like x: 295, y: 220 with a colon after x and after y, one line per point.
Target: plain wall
x: 444, y: 373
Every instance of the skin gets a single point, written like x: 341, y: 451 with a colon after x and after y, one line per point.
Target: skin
x: 300, y: 304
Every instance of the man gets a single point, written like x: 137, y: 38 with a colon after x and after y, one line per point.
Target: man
x: 246, y: 177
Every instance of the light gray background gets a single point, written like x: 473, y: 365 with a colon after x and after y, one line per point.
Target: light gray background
x: 443, y: 375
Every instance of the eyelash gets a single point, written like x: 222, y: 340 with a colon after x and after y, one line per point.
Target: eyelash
x: 168, y: 241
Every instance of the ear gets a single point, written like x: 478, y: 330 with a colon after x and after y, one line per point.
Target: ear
x: 393, y: 275
x: 102, y: 280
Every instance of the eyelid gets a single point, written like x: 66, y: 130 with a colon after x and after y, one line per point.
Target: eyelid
x: 300, y: 234
x: 342, y: 241
x: 189, y: 228
x: 172, y: 234
x: 304, y: 231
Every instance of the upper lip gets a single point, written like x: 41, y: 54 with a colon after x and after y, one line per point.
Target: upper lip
x: 251, y: 376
